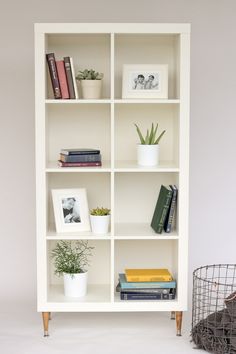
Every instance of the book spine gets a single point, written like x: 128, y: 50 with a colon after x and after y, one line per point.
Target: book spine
x: 78, y: 164
x: 170, y: 217
x: 69, y: 77
x: 164, y: 213
x: 159, y: 285
x: 73, y: 78
x: 78, y: 152
x: 62, y: 78
x: 53, y: 75
x: 149, y: 290
x: 80, y: 158
x: 143, y: 278
x: 159, y: 207
x: 147, y: 296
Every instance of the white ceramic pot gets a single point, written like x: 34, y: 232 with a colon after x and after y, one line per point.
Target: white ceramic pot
x: 76, y: 285
x: 91, y: 89
x: 148, y: 155
x: 100, y: 224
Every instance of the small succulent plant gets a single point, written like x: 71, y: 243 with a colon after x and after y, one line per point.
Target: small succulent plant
x: 150, y: 138
x: 89, y: 75
x: 100, y: 211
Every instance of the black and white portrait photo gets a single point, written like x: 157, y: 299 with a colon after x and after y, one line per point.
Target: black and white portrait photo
x: 145, y: 81
x: 71, y: 210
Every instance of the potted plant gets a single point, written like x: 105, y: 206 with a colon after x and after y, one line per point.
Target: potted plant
x: 148, y: 149
x: 71, y: 259
x: 91, y: 83
x: 100, y: 219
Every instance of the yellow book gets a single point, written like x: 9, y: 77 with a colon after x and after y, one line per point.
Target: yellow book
x: 142, y: 275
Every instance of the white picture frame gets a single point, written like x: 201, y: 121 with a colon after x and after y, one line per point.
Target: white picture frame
x: 71, y: 210
x: 145, y: 81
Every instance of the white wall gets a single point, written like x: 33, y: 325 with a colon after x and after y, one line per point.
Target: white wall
x: 213, y: 124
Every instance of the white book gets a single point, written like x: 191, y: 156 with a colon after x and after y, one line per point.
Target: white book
x: 74, y: 79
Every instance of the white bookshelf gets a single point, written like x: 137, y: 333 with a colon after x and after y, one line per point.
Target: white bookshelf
x: 130, y: 191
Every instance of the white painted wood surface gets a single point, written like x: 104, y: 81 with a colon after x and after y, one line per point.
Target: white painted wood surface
x: 128, y: 189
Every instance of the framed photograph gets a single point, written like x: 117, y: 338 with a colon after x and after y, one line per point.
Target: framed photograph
x: 71, y: 210
x: 145, y: 81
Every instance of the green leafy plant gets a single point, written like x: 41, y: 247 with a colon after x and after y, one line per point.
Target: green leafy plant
x: 100, y: 211
x: 71, y: 257
x: 89, y: 75
x: 151, y: 137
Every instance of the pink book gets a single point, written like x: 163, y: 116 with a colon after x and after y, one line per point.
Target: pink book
x: 62, y: 78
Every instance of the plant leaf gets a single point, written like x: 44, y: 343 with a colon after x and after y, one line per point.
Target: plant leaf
x: 155, y: 133
x: 152, y: 136
x: 147, y: 138
x: 140, y: 135
x: 159, y: 138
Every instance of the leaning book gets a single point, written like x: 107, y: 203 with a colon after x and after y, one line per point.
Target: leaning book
x: 161, y: 209
x: 54, y: 75
x: 172, y: 210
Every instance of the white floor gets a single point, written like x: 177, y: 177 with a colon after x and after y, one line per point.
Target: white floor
x: 105, y: 333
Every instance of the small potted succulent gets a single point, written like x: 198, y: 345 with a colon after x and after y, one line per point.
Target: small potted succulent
x: 100, y: 219
x: 71, y: 259
x: 148, y: 149
x: 91, y: 83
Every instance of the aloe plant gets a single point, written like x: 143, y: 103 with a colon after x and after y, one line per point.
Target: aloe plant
x: 151, y: 137
x: 89, y: 75
x: 100, y: 211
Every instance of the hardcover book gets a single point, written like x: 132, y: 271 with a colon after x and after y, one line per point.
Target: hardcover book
x: 73, y: 78
x: 80, y: 158
x: 53, y: 75
x: 124, y: 284
x: 78, y: 164
x: 171, y: 213
x: 147, y: 296
x: 69, y: 77
x: 62, y: 78
x: 161, y: 209
x: 83, y: 151
x: 147, y: 275
x: 144, y: 291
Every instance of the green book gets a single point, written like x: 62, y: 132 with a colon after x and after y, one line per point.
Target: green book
x: 161, y: 209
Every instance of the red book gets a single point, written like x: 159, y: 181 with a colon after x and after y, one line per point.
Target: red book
x: 62, y: 78
x: 78, y: 164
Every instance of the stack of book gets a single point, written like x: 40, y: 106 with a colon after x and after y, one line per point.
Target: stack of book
x: 80, y: 158
x: 146, y: 284
x: 165, y: 210
x: 62, y: 77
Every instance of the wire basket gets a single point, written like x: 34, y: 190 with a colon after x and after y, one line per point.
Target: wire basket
x: 214, y: 308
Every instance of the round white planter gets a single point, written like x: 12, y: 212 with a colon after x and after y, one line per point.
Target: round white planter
x: 91, y: 89
x: 76, y: 285
x: 100, y: 224
x: 148, y: 155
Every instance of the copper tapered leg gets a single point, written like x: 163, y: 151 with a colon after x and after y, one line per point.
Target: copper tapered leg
x: 178, y: 316
x: 50, y: 316
x: 46, y: 316
x: 172, y: 315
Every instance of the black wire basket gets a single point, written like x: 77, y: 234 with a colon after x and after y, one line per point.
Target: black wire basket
x: 214, y: 308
